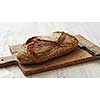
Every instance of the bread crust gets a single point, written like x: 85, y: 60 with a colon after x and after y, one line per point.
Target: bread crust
x: 41, y: 49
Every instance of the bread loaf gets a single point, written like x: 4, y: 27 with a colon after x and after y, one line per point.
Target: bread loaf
x: 43, y: 48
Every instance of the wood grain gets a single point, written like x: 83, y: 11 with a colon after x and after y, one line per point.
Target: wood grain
x: 8, y: 61
x: 78, y: 56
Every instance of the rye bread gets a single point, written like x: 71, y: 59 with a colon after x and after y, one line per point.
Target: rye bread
x: 43, y: 48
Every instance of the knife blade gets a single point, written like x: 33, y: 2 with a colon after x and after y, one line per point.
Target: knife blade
x: 90, y: 50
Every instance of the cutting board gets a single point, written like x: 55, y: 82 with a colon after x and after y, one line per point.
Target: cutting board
x: 78, y: 56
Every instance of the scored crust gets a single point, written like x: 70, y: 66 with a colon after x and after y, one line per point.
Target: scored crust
x: 43, y: 48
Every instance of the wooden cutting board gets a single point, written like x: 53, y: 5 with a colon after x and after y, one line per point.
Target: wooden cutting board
x: 76, y: 57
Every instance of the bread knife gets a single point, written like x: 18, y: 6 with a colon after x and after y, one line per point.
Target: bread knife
x: 90, y: 50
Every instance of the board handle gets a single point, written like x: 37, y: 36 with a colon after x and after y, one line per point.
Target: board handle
x: 8, y: 61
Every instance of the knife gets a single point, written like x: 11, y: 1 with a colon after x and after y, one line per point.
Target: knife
x: 90, y: 50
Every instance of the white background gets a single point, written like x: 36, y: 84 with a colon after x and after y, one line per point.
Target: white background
x: 49, y: 10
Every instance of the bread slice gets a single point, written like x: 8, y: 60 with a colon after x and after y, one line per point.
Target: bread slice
x: 43, y: 48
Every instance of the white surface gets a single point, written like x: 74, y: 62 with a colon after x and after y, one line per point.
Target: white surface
x: 16, y: 33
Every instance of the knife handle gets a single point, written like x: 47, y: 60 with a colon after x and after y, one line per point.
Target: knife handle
x: 7, y: 61
x: 93, y: 52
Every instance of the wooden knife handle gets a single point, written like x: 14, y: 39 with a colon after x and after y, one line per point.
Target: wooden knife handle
x: 8, y: 61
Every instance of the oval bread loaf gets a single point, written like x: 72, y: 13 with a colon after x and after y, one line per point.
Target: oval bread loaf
x: 43, y: 48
